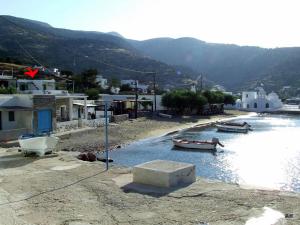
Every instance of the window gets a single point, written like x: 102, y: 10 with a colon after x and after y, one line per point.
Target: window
x: 248, y: 106
x: 11, y: 116
x: 246, y: 95
x: 267, y: 105
x: 255, y: 105
x: 44, y: 87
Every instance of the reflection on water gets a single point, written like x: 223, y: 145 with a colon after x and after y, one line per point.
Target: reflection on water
x: 269, y: 156
x: 270, y: 216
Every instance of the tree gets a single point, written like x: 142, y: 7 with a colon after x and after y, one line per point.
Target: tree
x: 229, y: 99
x: 115, y: 82
x: 182, y: 101
x: 93, y: 93
x: 125, y: 87
x: 8, y: 90
x: 86, y: 80
x: 213, y: 97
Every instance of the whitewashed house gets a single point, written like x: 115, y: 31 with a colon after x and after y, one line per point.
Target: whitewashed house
x: 36, y: 86
x: 143, y: 88
x: 102, y: 82
x: 259, y: 101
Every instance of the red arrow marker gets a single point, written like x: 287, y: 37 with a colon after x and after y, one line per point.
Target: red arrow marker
x: 31, y: 73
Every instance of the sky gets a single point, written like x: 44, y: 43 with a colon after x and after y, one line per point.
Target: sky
x: 264, y: 23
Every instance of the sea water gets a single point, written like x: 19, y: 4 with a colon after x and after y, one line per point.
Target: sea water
x: 268, y: 156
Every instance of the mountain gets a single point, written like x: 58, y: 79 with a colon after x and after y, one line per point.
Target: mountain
x: 177, y: 61
x: 32, y: 42
x: 235, y: 67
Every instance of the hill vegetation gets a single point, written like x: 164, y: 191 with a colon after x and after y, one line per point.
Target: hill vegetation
x: 29, y: 42
x: 235, y: 67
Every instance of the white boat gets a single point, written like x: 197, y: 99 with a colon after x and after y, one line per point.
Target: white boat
x: 37, y: 144
x: 204, y: 145
x: 233, y: 127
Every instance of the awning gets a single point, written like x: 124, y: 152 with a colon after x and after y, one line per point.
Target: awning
x: 81, y: 104
x: 16, y: 108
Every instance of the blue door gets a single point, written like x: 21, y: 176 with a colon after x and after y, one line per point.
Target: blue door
x: 44, y: 121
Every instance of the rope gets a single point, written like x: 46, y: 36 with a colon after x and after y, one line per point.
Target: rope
x: 52, y: 190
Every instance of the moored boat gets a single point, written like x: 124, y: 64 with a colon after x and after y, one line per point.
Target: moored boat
x: 192, y: 144
x: 37, y: 144
x: 234, y: 127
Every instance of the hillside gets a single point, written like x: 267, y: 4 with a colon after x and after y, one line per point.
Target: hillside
x: 78, y: 50
x: 233, y: 66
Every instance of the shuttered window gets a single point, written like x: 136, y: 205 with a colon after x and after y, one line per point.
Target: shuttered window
x: 11, y: 116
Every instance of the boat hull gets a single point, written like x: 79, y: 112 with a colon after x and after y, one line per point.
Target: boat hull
x: 235, y: 129
x: 38, y: 145
x: 196, y: 145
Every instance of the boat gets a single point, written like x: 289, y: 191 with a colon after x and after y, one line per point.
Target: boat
x: 37, y: 144
x: 192, y: 144
x: 233, y: 127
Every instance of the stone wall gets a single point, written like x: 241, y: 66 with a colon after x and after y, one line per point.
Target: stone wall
x: 8, y: 135
x: 120, y: 118
x: 67, y: 126
x: 94, y: 123
x: 75, y: 124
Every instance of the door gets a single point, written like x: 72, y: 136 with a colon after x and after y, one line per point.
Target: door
x: 0, y: 121
x: 44, y: 121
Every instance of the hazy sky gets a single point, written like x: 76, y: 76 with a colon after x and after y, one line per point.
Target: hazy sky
x: 266, y: 23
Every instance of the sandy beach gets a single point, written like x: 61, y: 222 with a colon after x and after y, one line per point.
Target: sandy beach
x: 129, y: 131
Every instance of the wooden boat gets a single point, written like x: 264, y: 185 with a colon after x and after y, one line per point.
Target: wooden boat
x: 37, y: 144
x: 204, y: 145
x: 234, y: 127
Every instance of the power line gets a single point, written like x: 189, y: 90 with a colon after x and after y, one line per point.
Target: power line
x: 49, y: 191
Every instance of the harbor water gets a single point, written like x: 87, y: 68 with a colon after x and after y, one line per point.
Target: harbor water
x: 268, y: 156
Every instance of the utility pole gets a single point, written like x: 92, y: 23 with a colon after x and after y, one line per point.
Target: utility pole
x: 136, y: 100
x: 106, y: 134
x: 201, y: 82
x: 154, y: 90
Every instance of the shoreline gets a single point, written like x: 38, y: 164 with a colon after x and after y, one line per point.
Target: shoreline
x: 199, y: 124
x: 65, y: 190
x: 60, y: 189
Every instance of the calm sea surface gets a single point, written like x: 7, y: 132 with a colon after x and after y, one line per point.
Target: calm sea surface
x: 268, y: 157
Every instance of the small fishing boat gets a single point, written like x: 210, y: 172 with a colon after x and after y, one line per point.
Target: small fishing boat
x: 37, y: 144
x: 204, y: 145
x: 234, y: 127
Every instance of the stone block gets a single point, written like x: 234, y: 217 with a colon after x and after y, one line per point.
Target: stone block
x: 163, y: 173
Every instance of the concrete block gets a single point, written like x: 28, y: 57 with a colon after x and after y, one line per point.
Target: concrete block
x: 163, y: 173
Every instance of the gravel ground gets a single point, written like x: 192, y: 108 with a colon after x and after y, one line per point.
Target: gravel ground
x: 61, y: 190
x: 132, y: 130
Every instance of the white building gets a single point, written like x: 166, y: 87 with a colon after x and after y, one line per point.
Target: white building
x: 131, y: 83
x: 36, y: 86
x: 259, y: 101
x: 102, y: 82
x: 143, y: 88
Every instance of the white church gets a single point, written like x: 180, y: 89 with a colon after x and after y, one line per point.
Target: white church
x: 259, y: 101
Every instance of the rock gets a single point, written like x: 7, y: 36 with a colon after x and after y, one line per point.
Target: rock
x: 87, y: 156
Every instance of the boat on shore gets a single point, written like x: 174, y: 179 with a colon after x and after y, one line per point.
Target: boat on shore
x: 196, y: 144
x: 234, y: 127
x: 37, y: 144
